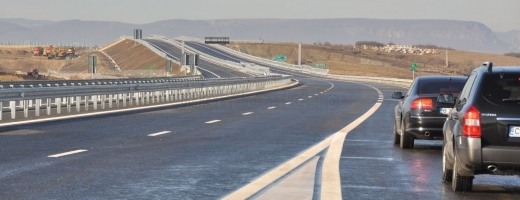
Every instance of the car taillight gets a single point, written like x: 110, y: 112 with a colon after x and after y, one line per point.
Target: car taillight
x: 425, y: 103
x: 471, y: 126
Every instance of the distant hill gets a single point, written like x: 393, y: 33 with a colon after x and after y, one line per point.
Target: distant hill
x: 511, y: 37
x: 25, y: 22
x: 6, y: 28
x: 462, y: 35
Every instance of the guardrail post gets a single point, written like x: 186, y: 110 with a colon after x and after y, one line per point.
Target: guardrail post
x: 69, y: 102
x: 110, y: 99
x: 94, y: 102
x: 116, y: 98
x: 136, y: 95
x: 48, y: 106
x: 25, y: 109
x: 58, y: 105
x: 124, y: 100
x: 103, y: 101
x: 130, y: 98
x: 142, y: 98
x: 167, y: 95
x: 38, y: 103
x: 86, y: 102
x: 78, y: 104
x: 148, y: 98
x: 12, y: 107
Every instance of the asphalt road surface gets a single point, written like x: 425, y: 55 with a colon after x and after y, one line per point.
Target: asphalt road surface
x: 212, y: 150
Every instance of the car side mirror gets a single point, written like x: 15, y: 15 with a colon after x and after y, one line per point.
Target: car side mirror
x: 445, y: 98
x: 397, y: 95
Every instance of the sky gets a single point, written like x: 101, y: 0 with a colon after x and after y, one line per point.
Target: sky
x: 499, y: 15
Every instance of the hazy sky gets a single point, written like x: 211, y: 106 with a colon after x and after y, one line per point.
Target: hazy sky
x: 499, y: 15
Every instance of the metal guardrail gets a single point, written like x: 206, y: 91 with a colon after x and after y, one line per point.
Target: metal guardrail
x: 389, y: 81
x: 61, y: 83
x: 136, y: 94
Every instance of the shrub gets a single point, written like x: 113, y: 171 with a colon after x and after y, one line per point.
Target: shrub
x: 512, y: 54
x: 431, y: 46
x: 370, y: 43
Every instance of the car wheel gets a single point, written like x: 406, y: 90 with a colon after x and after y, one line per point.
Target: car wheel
x: 447, y: 166
x: 397, y: 137
x: 460, y: 183
x: 406, y: 140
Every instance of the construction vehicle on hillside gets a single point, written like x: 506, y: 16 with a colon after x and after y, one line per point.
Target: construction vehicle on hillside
x: 71, y: 53
x: 38, y: 51
x: 48, y: 52
x: 33, y: 73
x: 56, y: 53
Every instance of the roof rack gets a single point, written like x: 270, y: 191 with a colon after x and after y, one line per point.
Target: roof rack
x: 489, y: 65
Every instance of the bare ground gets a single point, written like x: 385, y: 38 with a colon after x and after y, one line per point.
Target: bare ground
x: 133, y: 56
x: 346, y: 60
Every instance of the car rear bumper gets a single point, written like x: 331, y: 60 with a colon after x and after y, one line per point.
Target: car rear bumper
x: 502, y: 156
x: 474, y: 156
x: 427, y: 128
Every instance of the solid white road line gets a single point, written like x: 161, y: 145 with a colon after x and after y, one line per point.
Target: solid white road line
x: 368, y: 158
x: 159, y: 133
x: 331, y: 183
x: 330, y: 176
x: 270, y: 108
x: 67, y: 153
x: 247, y: 113
x: 213, y: 121
x: 297, y: 185
x: 208, y: 72
x: 288, y: 103
x: 300, y: 99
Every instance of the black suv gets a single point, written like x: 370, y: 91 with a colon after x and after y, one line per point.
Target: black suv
x: 482, y: 132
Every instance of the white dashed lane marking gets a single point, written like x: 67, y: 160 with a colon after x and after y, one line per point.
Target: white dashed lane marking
x: 270, y: 108
x: 247, y: 113
x: 67, y: 153
x: 159, y: 133
x: 212, y: 121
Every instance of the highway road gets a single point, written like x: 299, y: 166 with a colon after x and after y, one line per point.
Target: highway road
x: 208, y: 70
x: 229, y: 149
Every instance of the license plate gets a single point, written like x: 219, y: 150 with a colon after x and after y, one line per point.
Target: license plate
x: 514, y: 131
x: 445, y: 111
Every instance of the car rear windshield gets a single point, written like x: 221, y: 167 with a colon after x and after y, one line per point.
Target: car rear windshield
x: 502, y: 89
x: 440, y: 86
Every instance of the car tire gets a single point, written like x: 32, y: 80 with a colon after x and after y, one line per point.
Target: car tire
x: 447, y: 173
x: 406, y: 140
x: 460, y: 183
x: 397, y: 137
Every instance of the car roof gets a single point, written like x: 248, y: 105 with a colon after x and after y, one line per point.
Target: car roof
x: 441, y: 78
x: 500, y: 69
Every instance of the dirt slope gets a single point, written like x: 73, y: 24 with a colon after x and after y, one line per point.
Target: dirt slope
x: 133, y: 56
